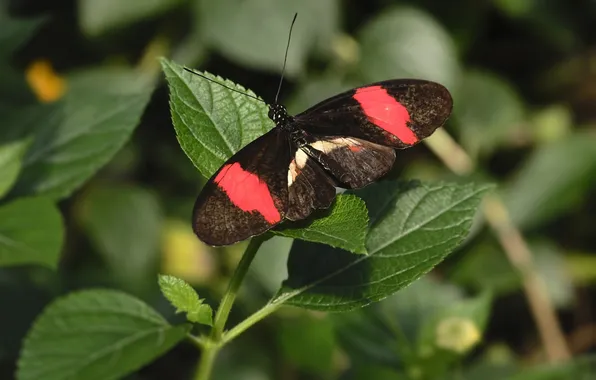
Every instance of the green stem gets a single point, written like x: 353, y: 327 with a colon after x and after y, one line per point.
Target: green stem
x: 225, y: 306
x: 265, y: 311
x: 214, y: 343
x: 207, y: 360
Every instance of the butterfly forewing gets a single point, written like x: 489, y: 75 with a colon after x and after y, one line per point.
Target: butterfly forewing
x: 395, y: 113
x: 248, y: 195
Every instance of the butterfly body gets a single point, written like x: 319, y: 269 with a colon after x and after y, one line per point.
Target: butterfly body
x: 348, y: 140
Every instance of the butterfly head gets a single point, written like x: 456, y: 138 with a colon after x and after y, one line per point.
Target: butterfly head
x: 279, y: 115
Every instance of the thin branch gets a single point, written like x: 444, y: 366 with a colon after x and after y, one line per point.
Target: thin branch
x: 516, y: 249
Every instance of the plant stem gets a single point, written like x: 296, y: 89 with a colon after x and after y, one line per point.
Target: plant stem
x: 214, y: 343
x: 230, y: 296
x: 207, y: 360
x: 248, y: 322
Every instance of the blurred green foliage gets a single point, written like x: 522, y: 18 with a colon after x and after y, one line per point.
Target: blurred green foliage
x: 96, y: 189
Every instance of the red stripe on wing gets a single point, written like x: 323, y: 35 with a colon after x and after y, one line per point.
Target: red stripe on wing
x: 247, y: 191
x: 385, y: 112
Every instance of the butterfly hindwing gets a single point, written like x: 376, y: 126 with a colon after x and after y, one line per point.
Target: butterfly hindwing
x: 248, y: 195
x: 309, y: 187
x: 354, y: 162
x: 396, y: 113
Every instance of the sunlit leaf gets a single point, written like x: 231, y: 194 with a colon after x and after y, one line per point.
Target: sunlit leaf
x: 343, y: 227
x: 185, y: 299
x: 212, y: 122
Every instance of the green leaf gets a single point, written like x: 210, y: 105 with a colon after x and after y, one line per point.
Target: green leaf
x: 496, y: 362
x: 14, y: 91
x: 370, y: 371
x: 76, y: 136
x: 551, y: 123
x: 185, y: 299
x: 95, y: 334
x: 15, y: 32
x: 269, y: 267
x: 455, y: 329
x: 581, y: 267
x: 550, y: 264
x: 343, y: 226
x: 11, y: 155
x: 414, y: 227
x: 578, y: 368
x: 553, y: 180
x: 516, y: 8
x: 246, y: 359
x: 315, y: 90
x: 402, y: 330
x: 99, y: 17
x: 225, y: 24
x: 407, y: 43
x: 488, y: 112
x: 31, y: 232
x: 385, y: 332
x: 212, y: 123
x: 308, y: 342
x: 124, y: 223
x: 486, y: 267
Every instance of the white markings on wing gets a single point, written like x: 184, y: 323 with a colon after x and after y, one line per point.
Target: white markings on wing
x: 327, y: 146
x: 296, y: 166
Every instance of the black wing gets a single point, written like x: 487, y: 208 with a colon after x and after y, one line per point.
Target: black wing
x: 248, y: 195
x: 309, y: 187
x: 352, y: 161
x: 395, y: 113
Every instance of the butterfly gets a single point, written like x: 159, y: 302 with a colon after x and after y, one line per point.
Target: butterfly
x: 348, y: 140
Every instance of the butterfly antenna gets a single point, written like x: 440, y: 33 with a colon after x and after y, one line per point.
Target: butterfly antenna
x: 223, y: 85
x: 283, y: 69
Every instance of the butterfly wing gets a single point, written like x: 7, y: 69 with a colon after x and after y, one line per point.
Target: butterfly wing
x: 351, y: 136
x: 248, y: 195
x: 309, y: 186
x: 395, y: 113
x: 352, y: 161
